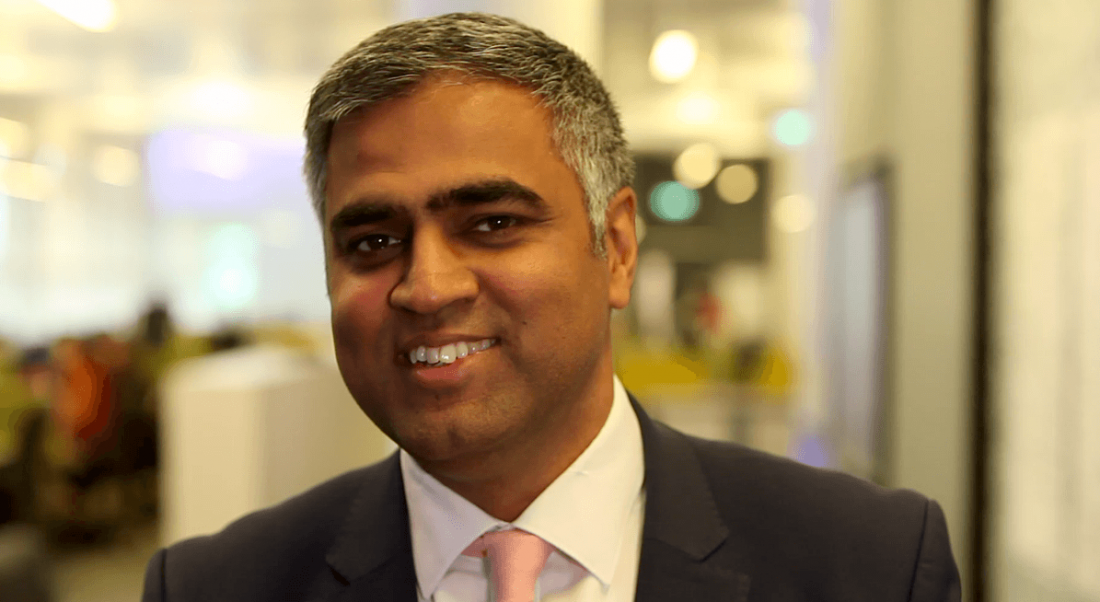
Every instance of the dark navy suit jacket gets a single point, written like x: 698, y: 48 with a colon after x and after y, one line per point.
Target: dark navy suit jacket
x: 722, y: 523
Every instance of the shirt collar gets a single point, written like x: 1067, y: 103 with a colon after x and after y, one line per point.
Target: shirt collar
x: 583, y: 513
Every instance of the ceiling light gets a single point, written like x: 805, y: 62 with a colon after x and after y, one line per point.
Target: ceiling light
x: 697, y: 165
x: 93, y: 15
x: 673, y: 56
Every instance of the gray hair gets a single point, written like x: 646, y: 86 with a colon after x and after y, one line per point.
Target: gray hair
x: 393, y: 62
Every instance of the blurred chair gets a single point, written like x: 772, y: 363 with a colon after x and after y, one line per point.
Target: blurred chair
x: 24, y: 565
x: 20, y: 477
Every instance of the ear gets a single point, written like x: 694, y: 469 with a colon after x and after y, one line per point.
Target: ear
x: 622, y: 245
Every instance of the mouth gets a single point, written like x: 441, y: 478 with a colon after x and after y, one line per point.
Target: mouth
x: 447, y: 354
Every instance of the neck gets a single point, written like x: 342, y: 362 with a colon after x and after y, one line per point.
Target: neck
x: 505, y: 481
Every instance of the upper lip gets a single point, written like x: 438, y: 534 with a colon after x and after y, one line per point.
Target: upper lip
x: 438, y: 340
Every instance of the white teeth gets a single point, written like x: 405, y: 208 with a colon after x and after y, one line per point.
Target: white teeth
x: 447, y: 354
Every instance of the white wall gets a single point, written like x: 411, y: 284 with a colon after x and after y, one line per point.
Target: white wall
x: 905, y: 89
x: 1045, y: 501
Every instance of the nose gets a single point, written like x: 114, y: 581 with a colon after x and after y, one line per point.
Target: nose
x: 435, y: 277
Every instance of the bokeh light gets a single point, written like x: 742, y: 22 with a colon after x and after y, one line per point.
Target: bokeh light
x: 673, y: 56
x: 792, y: 127
x: 697, y: 165
x: 673, y: 202
x: 737, y: 183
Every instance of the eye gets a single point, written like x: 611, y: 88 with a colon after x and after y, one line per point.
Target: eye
x: 375, y: 242
x: 495, y: 222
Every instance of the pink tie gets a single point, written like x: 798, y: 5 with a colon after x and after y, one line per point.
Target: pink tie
x: 515, y: 560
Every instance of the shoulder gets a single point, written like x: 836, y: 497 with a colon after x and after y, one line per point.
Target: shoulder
x: 275, y: 549
x: 826, y: 531
x: 782, y: 487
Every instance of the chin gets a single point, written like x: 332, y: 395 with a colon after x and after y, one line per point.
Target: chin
x: 451, y: 435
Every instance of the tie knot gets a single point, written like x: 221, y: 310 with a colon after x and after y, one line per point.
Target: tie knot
x: 515, y: 560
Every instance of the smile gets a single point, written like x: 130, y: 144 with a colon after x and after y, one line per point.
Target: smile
x: 448, y: 354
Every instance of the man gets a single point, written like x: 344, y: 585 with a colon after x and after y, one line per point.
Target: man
x: 474, y: 189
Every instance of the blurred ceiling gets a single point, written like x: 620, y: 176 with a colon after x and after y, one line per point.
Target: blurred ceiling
x: 251, y: 64
x: 248, y: 64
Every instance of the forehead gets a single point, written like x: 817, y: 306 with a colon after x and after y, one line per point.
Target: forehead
x: 481, y: 124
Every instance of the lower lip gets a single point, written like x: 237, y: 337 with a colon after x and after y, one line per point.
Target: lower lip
x: 448, y: 375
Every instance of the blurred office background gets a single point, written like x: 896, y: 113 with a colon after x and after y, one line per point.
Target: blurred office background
x: 870, y: 241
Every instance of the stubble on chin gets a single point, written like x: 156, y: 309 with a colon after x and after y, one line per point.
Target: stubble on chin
x: 465, y: 441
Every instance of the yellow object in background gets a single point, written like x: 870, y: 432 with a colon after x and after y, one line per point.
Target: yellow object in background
x: 642, y: 369
x: 777, y: 373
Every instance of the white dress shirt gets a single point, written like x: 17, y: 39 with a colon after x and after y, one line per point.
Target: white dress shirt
x: 592, y: 514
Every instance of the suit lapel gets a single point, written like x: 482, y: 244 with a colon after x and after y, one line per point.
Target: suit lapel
x: 372, y: 557
x: 683, y: 532
x: 683, y: 529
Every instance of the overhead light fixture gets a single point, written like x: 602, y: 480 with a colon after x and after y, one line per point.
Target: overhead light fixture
x: 697, y: 165
x: 673, y: 56
x: 93, y: 15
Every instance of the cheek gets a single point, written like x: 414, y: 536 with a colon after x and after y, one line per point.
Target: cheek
x: 358, y: 313
x: 550, y: 296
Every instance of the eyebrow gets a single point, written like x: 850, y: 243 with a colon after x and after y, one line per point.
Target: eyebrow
x: 485, y: 192
x: 372, y: 210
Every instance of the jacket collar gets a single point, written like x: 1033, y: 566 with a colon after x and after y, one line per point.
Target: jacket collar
x: 372, y: 556
x: 682, y: 532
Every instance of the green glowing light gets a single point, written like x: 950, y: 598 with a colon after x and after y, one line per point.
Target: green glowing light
x: 793, y: 128
x: 673, y: 202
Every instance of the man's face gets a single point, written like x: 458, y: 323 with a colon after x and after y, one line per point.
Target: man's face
x: 451, y: 220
